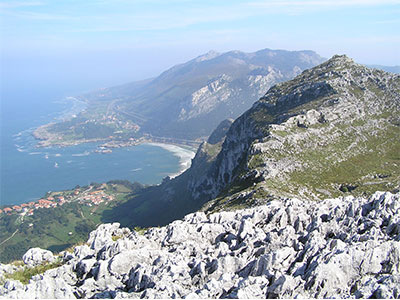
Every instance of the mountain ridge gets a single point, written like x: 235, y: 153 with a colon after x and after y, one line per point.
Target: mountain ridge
x: 205, y: 84
x: 197, y: 95
x: 289, y: 107
x: 332, y: 130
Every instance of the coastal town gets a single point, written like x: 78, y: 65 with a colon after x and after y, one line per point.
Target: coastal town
x: 89, y: 196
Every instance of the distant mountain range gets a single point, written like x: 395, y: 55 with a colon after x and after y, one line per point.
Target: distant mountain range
x: 186, y: 102
x: 189, y: 100
x: 391, y: 69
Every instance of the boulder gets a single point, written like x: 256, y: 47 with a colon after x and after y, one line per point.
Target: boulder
x: 37, y: 256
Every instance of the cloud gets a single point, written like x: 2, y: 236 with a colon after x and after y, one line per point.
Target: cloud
x: 22, y: 10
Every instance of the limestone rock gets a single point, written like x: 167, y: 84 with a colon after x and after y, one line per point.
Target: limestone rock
x: 37, y: 256
x: 339, y: 248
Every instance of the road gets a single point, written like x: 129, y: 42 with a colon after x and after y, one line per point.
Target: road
x: 15, y: 232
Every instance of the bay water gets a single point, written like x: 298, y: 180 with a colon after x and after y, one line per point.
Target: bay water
x: 28, y: 172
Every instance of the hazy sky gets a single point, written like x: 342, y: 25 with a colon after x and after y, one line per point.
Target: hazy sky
x: 80, y: 45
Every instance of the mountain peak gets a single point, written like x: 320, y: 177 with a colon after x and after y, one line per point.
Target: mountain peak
x: 209, y: 55
x: 338, y: 62
x: 341, y: 58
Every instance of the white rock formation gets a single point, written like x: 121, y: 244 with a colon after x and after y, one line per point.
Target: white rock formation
x: 346, y: 247
x: 37, y: 256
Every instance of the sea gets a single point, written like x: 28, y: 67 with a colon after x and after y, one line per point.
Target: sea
x: 28, y: 172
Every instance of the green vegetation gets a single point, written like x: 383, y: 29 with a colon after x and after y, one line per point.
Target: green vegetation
x: 99, y: 122
x: 27, y: 273
x: 256, y: 161
x: 60, y: 227
x: 54, y: 228
x: 116, y: 237
x: 356, y: 152
x: 360, y: 160
x: 18, y: 263
x: 376, y: 167
x: 140, y: 230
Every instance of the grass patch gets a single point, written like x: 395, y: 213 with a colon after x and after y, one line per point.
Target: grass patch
x: 140, y: 230
x: 116, y: 237
x: 18, y: 263
x: 379, y: 155
x: 27, y: 273
x: 256, y: 161
x: 281, y: 133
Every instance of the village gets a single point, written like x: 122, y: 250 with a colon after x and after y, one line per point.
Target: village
x: 87, y: 196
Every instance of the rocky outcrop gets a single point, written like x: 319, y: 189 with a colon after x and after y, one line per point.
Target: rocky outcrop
x: 37, y: 256
x: 344, y: 247
x: 327, y: 119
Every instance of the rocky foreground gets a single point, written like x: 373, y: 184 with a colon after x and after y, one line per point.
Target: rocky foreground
x: 345, y: 247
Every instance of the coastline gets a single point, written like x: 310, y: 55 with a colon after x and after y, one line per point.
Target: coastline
x: 185, y: 155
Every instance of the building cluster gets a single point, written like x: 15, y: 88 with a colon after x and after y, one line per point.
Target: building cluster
x: 89, y: 198
x: 95, y: 198
x: 114, y: 120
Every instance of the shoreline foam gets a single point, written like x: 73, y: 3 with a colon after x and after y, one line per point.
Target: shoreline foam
x: 185, y: 156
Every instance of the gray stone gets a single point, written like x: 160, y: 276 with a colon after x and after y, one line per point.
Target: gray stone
x: 103, y: 235
x: 284, y: 249
x: 37, y: 256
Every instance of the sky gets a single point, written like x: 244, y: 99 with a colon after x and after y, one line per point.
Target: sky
x: 75, y: 45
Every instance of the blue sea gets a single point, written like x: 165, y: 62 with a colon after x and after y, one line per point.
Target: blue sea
x: 28, y: 172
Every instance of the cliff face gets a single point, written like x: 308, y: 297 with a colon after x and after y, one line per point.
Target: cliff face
x: 339, y: 248
x: 333, y: 129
